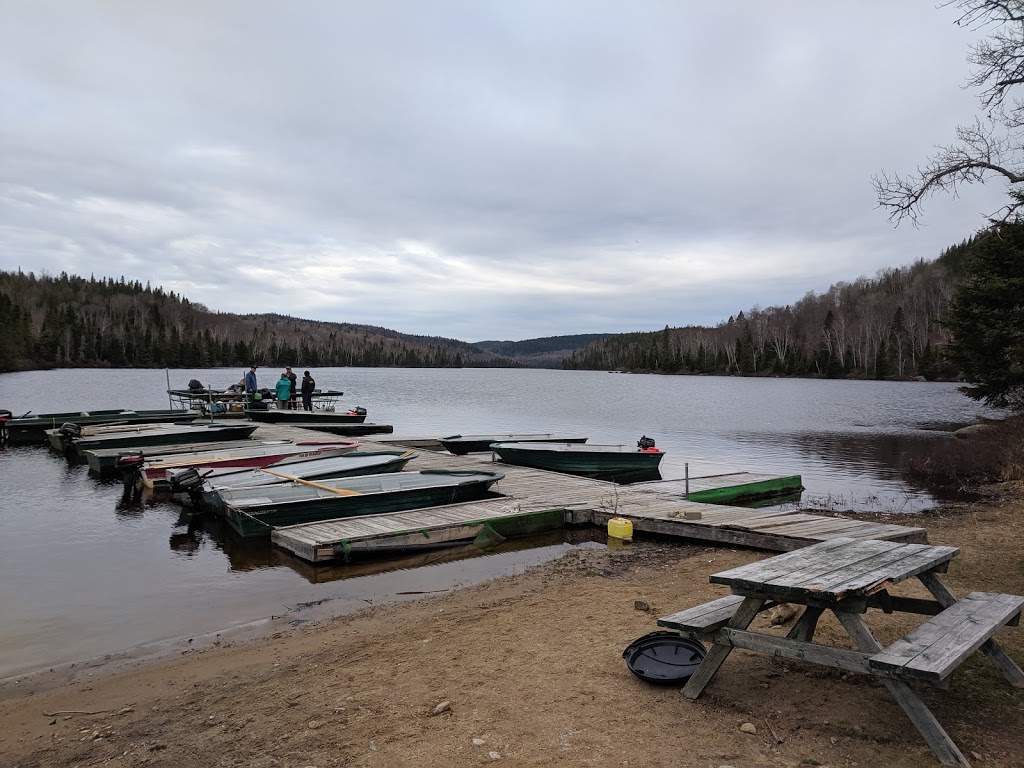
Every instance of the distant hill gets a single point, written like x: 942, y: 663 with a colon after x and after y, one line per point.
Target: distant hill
x: 71, y: 321
x: 547, y: 352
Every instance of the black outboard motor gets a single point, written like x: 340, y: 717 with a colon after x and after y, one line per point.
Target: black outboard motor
x: 187, y: 480
x: 195, y: 385
x: 129, y: 464
x: 359, y: 411
x: 645, y: 443
x: 69, y: 432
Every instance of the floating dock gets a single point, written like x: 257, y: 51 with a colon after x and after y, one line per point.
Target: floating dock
x: 534, y: 500
x: 727, y: 488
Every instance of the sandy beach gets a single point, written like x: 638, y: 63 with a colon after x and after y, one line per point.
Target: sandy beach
x: 528, y: 671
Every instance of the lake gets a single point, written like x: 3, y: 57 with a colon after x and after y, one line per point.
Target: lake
x: 84, y: 573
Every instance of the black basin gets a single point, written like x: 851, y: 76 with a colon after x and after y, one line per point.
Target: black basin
x: 664, y: 658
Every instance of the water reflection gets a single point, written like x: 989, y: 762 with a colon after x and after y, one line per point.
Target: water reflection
x: 194, y: 531
x: 376, y: 564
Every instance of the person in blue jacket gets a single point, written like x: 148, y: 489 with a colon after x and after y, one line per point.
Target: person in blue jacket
x: 250, y: 384
x: 284, y: 391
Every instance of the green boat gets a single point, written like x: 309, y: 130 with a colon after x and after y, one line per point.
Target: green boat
x: 160, y: 434
x: 257, y: 511
x: 587, y: 460
x: 31, y: 430
x: 352, y: 464
x: 463, y: 444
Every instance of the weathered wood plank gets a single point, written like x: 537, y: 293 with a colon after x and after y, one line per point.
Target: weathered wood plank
x: 936, y: 648
x: 702, y: 619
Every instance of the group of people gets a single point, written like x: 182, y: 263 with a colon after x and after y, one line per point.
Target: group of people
x: 285, y: 390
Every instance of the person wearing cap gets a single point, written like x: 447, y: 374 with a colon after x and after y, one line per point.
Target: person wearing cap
x: 291, y: 377
x: 250, y: 384
x: 308, y: 385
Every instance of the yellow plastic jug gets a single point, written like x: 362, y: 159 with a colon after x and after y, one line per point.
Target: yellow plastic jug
x: 620, y: 528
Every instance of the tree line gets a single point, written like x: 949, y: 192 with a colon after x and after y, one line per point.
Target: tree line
x: 68, y: 321
x: 889, y: 326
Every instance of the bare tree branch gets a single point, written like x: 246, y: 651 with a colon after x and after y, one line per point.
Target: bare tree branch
x: 993, y: 149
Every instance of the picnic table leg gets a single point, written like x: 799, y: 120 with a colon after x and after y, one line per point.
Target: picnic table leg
x: 1006, y: 665
x: 745, y: 614
x: 922, y: 718
x: 804, y: 628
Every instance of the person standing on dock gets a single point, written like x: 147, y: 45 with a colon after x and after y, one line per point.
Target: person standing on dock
x: 292, y: 378
x: 250, y: 385
x: 284, y: 391
x: 308, y: 385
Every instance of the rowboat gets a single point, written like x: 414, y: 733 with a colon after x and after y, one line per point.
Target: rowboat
x: 154, y: 470
x: 575, y: 459
x: 463, y: 444
x: 31, y: 430
x: 351, y: 464
x: 102, y: 459
x: 160, y: 434
x: 304, y: 418
x: 256, y: 511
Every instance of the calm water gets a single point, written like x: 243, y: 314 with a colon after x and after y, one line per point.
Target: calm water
x: 83, y: 573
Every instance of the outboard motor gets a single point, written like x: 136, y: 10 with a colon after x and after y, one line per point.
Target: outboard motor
x: 68, y: 432
x: 186, y: 480
x: 5, y: 416
x: 646, y: 444
x: 195, y: 385
x: 129, y: 464
x: 359, y: 411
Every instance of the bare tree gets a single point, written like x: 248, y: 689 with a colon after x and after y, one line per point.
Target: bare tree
x: 994, y: 145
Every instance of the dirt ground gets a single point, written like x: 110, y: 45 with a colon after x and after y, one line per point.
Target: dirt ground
x: 528, y: 671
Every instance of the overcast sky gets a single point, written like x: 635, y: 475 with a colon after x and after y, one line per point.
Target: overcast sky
x: 476, y: 170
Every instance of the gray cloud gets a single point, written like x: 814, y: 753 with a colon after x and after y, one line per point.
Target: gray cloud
x: 475, y: 170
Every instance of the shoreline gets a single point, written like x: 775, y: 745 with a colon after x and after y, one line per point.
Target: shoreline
x: 528, y: 667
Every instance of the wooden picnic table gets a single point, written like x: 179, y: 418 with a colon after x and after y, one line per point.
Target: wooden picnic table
x: 850, y: 577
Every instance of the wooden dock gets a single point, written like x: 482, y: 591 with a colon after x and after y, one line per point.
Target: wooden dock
x: 530, y: 495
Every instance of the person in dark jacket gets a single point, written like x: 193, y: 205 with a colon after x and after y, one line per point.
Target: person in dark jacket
x: 295, y: 390
x: 250, y: 384
x: 308, y: 385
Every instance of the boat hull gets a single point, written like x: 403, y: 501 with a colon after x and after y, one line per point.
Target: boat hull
x: 32, y: 431
x: 154, y: 473
x: 463, y: 444
x: 282, y: 416
x: 257, y: 518
x: 592, y: 462
x: 205, y: 433
x: 383, y: 462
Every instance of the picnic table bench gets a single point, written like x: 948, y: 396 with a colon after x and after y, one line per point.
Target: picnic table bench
x: 849, y: 577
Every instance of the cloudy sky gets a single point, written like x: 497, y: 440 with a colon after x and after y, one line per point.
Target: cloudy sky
x: 477, y: 169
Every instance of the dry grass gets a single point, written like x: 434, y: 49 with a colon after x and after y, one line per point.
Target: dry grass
x: 992, y: 453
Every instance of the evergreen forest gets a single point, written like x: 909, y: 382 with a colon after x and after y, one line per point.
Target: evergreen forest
x: 69, y: 321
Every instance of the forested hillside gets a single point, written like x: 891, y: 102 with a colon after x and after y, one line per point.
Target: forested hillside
x: 546, y: 352
x: 888, y: 326
x: 73, y: 321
